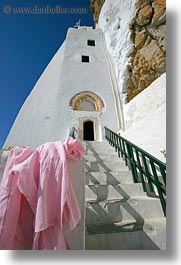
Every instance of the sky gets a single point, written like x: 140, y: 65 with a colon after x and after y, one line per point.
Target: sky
x: 31, y: 32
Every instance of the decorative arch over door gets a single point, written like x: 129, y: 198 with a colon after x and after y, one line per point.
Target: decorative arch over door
x: 87, y: 101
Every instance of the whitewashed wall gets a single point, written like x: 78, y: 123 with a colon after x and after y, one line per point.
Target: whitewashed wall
x: 145, y: 119
x: 114, y: 20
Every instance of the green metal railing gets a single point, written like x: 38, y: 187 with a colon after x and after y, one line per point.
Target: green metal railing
x: 145, y: 168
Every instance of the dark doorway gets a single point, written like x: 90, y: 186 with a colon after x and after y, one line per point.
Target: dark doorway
x: 88, y: 131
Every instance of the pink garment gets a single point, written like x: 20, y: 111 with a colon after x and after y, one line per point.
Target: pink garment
x: 37, y: 198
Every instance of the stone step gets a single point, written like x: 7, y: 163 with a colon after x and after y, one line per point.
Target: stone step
x: 148, y: 235
x: 110, y: 177
x: 99, y: 148
x: 138, y: 208
x: 105, y: 166
x: 102, y: 151
x: 102, y: 158
x: 111, y: 192
x: 95, y: 143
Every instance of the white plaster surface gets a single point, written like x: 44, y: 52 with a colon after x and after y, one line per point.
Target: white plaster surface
x: 76, y: 238
x: 145, y: 118
x: 114, y: 20
x: 3, y: 160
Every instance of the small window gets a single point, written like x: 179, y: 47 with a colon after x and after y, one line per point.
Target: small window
x: 91, y: 43
x: 85, y: 59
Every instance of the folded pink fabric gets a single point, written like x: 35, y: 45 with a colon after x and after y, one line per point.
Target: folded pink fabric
x: 37, y: 200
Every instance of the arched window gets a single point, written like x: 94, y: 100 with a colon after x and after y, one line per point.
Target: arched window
x: 86, y: 105
x: 87, y: 101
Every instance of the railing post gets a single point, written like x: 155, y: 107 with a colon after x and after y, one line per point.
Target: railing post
x: 158, y: 185
x: 131, y: 161
x: 140, y: 171
x: 120, y: 144
x: 163, y: 174
x: 147, y: 173
x: 125, y: 154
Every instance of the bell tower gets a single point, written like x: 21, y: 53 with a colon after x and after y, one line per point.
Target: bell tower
x: 77, y: 89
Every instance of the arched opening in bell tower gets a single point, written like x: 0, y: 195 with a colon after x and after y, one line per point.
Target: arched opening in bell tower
x: 88, y: 131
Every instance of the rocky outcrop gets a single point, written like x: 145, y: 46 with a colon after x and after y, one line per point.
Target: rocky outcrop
x: 96, y: 6
x: 148, y: 59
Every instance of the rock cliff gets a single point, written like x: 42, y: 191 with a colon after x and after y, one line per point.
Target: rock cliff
x: 96, y: 6
x: 145, y: 58
x: 148, y: 33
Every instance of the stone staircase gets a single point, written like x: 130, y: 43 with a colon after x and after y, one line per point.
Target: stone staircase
x: 119, y: 215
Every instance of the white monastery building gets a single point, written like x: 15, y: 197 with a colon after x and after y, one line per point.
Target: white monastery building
x: 77, y: 89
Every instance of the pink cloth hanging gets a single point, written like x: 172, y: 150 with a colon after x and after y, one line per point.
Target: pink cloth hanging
x: 37, y: 200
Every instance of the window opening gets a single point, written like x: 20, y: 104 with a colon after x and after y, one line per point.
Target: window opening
x: 85, y: 59
x: 91, y: 43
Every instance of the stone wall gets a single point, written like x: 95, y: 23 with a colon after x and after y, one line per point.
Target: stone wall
x: 148, y: 35
x: 148, y: 60
x: 96, y: 6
